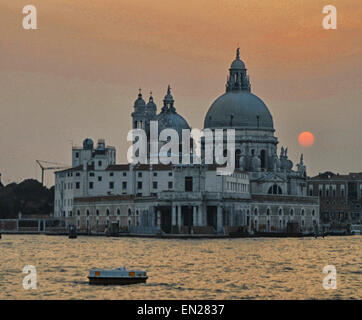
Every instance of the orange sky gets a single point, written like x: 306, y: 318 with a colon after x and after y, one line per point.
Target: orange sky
x: 79, y: 73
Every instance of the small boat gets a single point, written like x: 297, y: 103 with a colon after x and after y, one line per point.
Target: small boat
x: 119, y: 276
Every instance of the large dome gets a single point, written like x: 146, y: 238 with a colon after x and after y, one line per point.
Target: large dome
x: 240, y: 109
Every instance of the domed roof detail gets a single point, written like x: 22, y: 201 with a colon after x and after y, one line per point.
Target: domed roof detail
x: 238, y: 110
x: 237, y: 64
x: 238, y: 107
x: 172, y: 120
x: 88, y: 144
x: 139, y: 102
x: 151, y: 105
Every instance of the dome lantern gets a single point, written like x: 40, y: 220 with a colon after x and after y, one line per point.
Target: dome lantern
x: 238, y: 79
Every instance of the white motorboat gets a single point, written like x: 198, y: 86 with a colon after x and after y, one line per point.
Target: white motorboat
x: 119, y: 276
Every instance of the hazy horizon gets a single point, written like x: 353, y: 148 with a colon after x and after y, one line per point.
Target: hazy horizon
x: 78, y: 75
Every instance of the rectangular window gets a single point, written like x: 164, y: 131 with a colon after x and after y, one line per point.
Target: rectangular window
x: 139, y: 174
x: 99, y: 163
x: 154, y: 184
x: 125, y: 174
x: 111, y: 174
x: 91, y: 174
x: 139, y: 185
x: 124, y: 185
x: 77, y: 174
x: 170, y: 174
x: 77, y: 154
x: 77, y: 185
x: 155, y: 174
x: 170, y: 184
x: 99, y: 178
x: 188, y: 184
x: 90, y: 185
x: 111, y: 185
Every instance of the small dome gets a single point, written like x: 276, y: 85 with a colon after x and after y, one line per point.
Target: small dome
x: 172, y: 120
x: 88, y: 144
x: 140, y: 102
x: 237, y: 64
x: 151, y: 104
x: 238, y: 110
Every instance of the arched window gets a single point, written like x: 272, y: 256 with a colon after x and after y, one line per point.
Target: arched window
x: 302, y: 212
x: 256, y: 211
x: 268, y: 212
x: 129, y: 212
x: 118, y: 212
x: 291, y: 212
x: 87, y: 213
x: 107, y: 212
x: 280, y: 212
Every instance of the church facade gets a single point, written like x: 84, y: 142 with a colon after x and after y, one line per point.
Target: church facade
x: 263, y: 194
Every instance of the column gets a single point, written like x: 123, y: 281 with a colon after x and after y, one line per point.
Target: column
x: 219, y: 219
x: 200, y: 215
x: 173, y: 215
x: 158, y: 219
x: 194, y: 218
x: 179, y: 222
x: 38, y: 225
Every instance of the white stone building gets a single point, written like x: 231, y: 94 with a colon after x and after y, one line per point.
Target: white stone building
x: 263, y: 194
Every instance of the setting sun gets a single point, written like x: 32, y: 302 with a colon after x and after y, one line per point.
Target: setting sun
x: 306, y: 139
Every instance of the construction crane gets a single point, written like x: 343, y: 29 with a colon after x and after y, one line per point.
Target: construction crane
x: 58, y: 166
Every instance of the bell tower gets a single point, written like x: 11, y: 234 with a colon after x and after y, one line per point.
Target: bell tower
x: 139, y: 113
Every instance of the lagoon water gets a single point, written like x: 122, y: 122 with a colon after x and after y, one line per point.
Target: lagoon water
x: 261, y: 268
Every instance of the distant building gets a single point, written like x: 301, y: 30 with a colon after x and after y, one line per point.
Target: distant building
x: 263, y: 194
x: 340, y: 198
